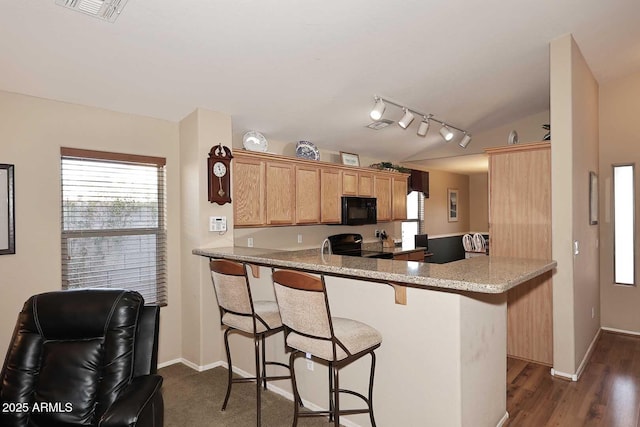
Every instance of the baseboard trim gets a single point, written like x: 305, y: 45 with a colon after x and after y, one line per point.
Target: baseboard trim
x: 583, y: 363
x: 503, y: 420
x: 192, y: 365
x: 621, y: 331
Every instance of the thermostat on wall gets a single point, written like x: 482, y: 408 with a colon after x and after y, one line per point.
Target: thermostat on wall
x: 218, y: 223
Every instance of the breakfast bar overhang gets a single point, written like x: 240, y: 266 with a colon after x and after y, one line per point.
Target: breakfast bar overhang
x: 443, y: 356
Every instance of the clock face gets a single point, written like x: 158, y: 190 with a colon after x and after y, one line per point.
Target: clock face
x: 219, y: 169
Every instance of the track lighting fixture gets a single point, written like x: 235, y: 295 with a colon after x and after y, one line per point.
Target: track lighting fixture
x: 446, y: 133
x: 466, y: 139
x: 406, y: 119
x: 378, y: 109
x: 423, y: 128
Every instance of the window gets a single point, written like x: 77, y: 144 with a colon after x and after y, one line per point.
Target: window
x: 113, y: 222
x: 415, y: 216
x: 623, y: 224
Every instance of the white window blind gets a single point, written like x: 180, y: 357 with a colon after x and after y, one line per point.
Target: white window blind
x: 113, y: 222
x: 415, y: 216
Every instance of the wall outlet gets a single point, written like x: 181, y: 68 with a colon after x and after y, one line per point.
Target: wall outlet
x: 250, y: 242
x: 299, y: 238
x: 309, y: 362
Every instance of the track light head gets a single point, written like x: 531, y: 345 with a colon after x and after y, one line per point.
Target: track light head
x: 378, y: 109
x: 446, y: 133
x: 466, y: 139
x: 406, y: 120
x: 424, y: 126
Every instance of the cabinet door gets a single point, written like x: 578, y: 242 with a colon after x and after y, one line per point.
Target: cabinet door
x: 248, y: 191
x: 365, y: 185
x: 280, y: 192
x: 416, y: 256
x: 399, y: 194
x: 330, y: 191
x: 307, y: 195
x: 350, y: 183
x: 382, y: 186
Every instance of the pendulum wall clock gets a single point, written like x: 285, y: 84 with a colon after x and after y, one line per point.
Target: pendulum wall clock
x: 219, y: 173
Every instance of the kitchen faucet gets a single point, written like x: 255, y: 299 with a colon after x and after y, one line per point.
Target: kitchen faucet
x: 328, y: 244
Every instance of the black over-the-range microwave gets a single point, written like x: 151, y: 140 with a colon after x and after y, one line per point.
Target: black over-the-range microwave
x: 358, y: 210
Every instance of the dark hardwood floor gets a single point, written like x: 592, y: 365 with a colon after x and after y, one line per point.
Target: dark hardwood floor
x: 607, y: 394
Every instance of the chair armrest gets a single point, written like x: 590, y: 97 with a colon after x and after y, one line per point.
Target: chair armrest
x: 140, y: 404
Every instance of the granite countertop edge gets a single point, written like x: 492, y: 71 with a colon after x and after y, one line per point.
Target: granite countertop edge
x: 446, y: 273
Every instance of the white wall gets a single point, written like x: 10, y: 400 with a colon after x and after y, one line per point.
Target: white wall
x: 574, y: 145
x: 620, y: 137
x: 32, y: 130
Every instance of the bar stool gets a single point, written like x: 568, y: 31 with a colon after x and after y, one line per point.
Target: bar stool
x: 238, y: 312
x: 309, y: 328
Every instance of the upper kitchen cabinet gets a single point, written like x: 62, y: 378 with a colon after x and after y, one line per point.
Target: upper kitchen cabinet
x: 365, y: 184
x: 280, y: 192
x: 307, y: 194
x: 399, y: 197
x: 272, y: 190
x: 382, y: 192
x: 249, y: 182
x: 330, y: 186
x: 350, y: 183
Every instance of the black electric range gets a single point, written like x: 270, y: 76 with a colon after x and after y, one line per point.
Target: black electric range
x: 350, y: 244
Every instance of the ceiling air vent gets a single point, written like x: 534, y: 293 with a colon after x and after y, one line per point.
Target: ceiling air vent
x: 107, y: 10
x: 379, y: 124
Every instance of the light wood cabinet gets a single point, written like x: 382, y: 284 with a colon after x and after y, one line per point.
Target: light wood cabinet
x: 399, y: 198
x: 520, y: 226
x: 382, y: 192
x: 272, y: 190
x: 280, y: 192
x: 248, y: 188
x: 307, y: 194
x: 330, y: 205
x: 365, y: 184
x: 411, y: 256
x: 350, y: 183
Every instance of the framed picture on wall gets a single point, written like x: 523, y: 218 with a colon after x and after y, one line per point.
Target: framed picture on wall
x: 593, y: 198
x: 349, y: 159
x: 7, y: 221
x: 452, y: 204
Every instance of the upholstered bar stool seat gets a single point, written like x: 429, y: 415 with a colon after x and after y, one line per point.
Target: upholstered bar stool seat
x: 310, y: 328
x: 355, y: 336
x: 238, y: 312
x: 266, y: 310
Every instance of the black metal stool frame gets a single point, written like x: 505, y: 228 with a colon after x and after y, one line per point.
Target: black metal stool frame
x: 261, y: 378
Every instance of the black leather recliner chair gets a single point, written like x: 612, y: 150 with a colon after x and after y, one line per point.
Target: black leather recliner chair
x: 83, y: 357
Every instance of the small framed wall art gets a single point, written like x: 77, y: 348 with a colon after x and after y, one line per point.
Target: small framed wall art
x: 7, y: 210
x: 452, y: 204
x: 349, y: 159
x: 593, y: 198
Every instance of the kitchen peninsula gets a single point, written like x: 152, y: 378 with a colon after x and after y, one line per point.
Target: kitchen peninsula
x: 443, y: 356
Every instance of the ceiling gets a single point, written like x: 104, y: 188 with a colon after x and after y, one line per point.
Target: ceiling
x: 296, y: 70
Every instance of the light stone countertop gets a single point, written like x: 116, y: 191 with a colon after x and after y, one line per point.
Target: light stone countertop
x: 485, y: 274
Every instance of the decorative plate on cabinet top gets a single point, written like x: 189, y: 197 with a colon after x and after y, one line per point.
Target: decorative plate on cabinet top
x: 513, y: 137
x: 307, y: 150
x: 254, y: 141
